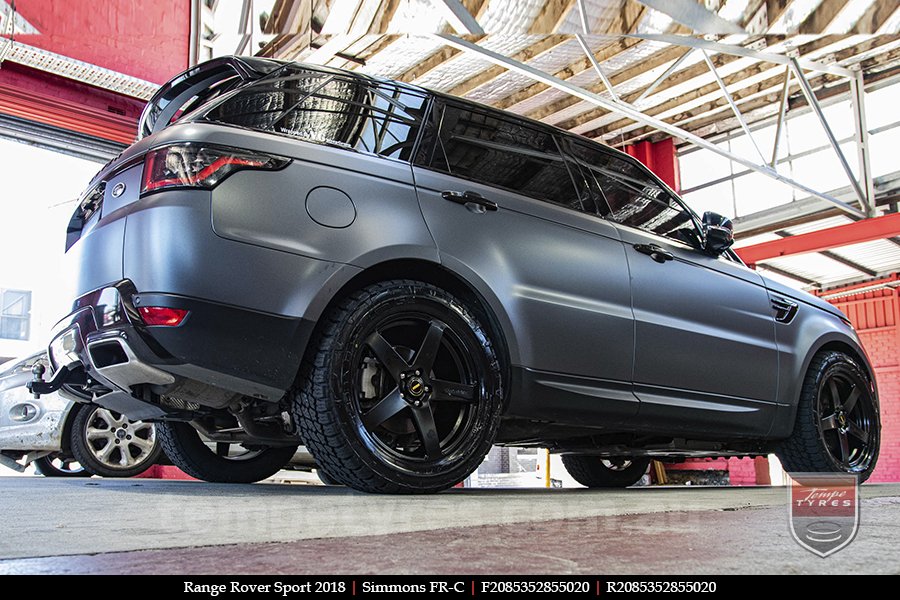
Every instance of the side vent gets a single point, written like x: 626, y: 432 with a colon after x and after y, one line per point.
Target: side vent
x: 785, y: 310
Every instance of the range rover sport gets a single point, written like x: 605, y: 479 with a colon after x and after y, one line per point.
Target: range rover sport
x: 399, y: 279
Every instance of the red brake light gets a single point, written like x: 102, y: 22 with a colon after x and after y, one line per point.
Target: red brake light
x: 163, y: 316
x: 192, y: 166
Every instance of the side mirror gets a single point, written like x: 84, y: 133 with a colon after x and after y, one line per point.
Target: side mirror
x: 718, y: 233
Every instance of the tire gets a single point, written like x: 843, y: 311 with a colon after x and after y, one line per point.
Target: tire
x: 325, y: 478
x: 191, y: 454
x: 57, y: 465
x: 598, y: 472
x: 423, y: 358
x: 837, y: 428
x: 110, y: 444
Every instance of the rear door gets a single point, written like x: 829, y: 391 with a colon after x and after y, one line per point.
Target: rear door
x: 705, y: 351
x: 503, y: 209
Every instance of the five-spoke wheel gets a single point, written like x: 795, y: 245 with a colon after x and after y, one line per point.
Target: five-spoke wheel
x: 837, y: 427
x: 411, y: 380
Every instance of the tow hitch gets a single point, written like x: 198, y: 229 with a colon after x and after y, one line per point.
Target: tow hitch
x: 72, y: 373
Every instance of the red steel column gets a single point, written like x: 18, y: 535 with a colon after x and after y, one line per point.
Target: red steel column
x: 659, y: 157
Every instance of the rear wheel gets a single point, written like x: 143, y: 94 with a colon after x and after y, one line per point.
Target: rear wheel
x: 837, y: 428
x: 58, y: 465
x: 401, y: 392
x: 598, y: 472
x: 221, y: 462
x: 110, y: 444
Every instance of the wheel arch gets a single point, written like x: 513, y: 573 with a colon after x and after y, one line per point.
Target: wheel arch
x: 68, y: 422
x: 835, y: 342
x: 472, y: 290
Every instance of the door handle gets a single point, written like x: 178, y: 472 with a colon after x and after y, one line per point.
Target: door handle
x: 467, y: 198
x: 655, y: 252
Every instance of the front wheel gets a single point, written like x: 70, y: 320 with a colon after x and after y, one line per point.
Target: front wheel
x: 596, y: 472
x: 837, y: 427
x: 402, y: 390
x: 221, y: 462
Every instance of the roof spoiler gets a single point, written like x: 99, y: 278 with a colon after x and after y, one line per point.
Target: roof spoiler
x: 169, y: 99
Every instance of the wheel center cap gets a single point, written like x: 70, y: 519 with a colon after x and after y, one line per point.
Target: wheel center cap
x: 120, y: 433
x: 842, y: 419
x: 415, y: 386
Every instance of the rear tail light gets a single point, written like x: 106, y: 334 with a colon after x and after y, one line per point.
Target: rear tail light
x: 195, y: 166
x: 163, y: 315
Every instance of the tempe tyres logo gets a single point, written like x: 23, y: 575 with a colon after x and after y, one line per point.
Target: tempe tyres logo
x: 824, y: 511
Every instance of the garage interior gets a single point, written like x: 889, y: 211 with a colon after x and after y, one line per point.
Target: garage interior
x: 779, y: 114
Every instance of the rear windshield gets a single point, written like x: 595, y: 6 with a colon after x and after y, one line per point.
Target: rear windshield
x: 379, y: 118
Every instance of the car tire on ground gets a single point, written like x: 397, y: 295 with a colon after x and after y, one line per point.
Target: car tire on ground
x: 185, y: 448
x: 325, y: 478
x: 599, y: 472
x: 57, y: 465
x: 110, y: 444
x: 401, y: 390
x: 837, y: 428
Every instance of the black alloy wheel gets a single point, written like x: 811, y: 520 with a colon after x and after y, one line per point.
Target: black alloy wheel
x: 837, y: 428
x: 847, y: 419
x: 416, y: 396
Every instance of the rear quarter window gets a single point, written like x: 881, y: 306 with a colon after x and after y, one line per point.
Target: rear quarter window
x: 328, y: 108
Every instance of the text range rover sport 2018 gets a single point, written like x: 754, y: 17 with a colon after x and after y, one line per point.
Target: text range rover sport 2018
x: 399, y: 279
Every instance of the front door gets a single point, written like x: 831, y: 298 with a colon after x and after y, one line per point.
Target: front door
x: 705, y: 351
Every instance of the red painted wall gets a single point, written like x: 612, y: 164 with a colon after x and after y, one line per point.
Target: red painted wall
x: 875, y: 315
x: 149, y: 40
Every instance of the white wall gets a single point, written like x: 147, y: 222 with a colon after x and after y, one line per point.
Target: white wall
x: 38, y: 189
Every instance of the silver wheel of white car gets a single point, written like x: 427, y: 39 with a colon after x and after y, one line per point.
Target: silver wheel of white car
x: 108, y: 443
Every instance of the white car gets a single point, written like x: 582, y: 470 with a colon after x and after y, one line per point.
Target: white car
x: 64, y: 438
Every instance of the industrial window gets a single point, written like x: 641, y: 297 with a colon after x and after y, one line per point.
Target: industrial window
x: 633, y: 197
x: 496, y: 151
x: 15, y: 314
x: 329, y: 108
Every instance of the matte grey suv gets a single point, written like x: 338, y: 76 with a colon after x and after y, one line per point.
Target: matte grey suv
x: 398, y: 279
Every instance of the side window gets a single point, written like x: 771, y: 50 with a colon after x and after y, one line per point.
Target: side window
x: 632, y: 196
x: 15, y: 314
x: 493, y: 150
x: 327, y: 108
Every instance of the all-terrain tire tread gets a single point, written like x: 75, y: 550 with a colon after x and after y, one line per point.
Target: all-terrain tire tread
x: 315, y: 415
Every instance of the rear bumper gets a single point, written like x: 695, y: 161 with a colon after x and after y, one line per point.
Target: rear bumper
x: 234, y: 349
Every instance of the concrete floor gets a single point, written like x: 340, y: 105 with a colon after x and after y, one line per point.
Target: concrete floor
x: 150, y: 526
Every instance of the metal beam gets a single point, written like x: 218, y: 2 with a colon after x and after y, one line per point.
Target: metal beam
x: 582, y: 14
x: 596, y: 65
x: 734, y: 108
x: 633, y: 113
x: 867, y: 230
x: 586, y: 30
x: 861, y: 136
x: 459, y: 17
x: 778, y: 59
x: 817, y: 109
x: 693, y: 15
x: 782, y: 109
x: 664, y: 76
